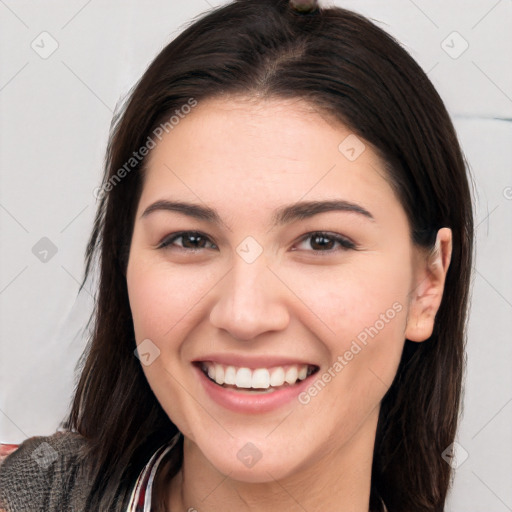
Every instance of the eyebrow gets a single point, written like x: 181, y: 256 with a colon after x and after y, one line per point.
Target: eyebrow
x: 284, y: 215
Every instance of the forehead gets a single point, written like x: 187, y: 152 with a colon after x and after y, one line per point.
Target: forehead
x: 259, y: 152
x: 275, y: 129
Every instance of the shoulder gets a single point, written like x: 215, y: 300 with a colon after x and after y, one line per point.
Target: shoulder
x: 44, y: 473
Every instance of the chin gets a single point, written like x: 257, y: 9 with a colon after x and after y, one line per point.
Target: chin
x: 244, y: 462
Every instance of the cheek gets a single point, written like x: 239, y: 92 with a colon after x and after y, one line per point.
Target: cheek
x: 348, y: 299
x: 362, y: 313
x: 162, y: 297
x: 365, y: 354
x: 163, y: 302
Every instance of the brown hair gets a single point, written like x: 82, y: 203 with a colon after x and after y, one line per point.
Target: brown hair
x: 349, y: 68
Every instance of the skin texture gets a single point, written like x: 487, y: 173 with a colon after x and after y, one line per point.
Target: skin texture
x: 245, y: 158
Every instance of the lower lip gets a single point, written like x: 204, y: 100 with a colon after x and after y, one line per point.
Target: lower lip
x: 251, y: 403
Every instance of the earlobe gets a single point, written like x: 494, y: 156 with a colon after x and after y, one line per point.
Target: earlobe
x: 428, y: 288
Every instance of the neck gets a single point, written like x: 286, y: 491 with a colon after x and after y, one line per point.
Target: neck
x: 338, y: 481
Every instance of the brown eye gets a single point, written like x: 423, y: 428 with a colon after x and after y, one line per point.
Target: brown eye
x: 322, y: 242
x: 190, y: 240
x: 326, y: 242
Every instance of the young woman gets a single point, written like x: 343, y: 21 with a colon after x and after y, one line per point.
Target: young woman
x: 284, y: 244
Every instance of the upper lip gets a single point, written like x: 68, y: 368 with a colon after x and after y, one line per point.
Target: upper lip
x: 252, y: 362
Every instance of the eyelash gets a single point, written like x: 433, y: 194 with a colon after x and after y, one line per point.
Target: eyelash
x: 345, y: 243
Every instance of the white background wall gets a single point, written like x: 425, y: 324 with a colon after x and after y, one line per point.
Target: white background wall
x: 55, y: 117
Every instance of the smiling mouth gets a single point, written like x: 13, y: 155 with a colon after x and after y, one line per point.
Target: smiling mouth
x: 259, y: 380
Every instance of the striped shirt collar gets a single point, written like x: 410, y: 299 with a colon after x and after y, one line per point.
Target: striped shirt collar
x: 140, y: 500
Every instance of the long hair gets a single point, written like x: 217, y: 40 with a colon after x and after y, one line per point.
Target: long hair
x: 350, y: 69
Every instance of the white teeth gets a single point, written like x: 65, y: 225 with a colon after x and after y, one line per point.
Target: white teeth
x: 219, y: 374
x: 277, y: 377
x: 260, y: 378
x: 243, y: 378
x: 229, y: 376
x: 291, y: 375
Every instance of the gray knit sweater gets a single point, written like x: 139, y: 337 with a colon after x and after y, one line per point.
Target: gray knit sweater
x: 44, y: 474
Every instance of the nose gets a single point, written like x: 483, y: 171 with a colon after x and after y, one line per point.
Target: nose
x: 251, y: 301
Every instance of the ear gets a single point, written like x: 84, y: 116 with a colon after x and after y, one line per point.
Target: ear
x: 428, y: 286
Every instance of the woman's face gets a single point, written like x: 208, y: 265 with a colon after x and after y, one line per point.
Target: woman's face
x: 252, y: 277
